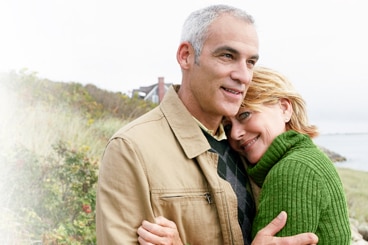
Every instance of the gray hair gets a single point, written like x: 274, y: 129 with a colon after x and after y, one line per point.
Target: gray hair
x: 195, y: 28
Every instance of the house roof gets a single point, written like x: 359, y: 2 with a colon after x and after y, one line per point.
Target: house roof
x: 148, y: 89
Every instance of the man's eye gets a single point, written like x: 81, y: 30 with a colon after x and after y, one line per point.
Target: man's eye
x: 251, y: 63
x: 228, y: 56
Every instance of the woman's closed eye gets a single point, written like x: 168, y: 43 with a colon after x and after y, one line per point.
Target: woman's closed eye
x: 244, y: 115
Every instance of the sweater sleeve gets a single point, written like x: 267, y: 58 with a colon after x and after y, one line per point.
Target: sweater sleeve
x: 296, y: 188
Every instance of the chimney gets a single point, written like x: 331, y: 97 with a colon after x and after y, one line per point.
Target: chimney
x: 161, y: 88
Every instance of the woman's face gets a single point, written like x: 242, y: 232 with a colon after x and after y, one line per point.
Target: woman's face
x: 251, y: 132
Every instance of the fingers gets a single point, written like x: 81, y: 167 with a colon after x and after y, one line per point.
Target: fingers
x: 163, y: 231
x: 160, y: 220
x: 149, y: 229
x: 142, y: 241
x: 162, y: 228
x: 276, y: 225
x: 267, y: 234
x: 145, y: 237
x: 300, y: 239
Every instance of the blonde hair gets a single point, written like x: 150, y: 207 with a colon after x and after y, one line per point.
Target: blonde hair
x: 268, y: 87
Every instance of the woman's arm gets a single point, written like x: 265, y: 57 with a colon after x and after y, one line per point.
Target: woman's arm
x: 296, y: 189
x: 164, y: 232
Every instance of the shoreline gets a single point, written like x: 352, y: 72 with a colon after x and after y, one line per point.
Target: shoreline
x: 352, y: 166
x: 342, y: 133
x: 346, y: 150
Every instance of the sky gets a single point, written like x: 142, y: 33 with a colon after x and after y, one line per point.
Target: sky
x: 320, y: 45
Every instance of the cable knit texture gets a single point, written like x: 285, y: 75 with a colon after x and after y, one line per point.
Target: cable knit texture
x: 300, y: 179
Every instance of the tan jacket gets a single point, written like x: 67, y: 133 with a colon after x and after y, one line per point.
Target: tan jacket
x: 159, y: 164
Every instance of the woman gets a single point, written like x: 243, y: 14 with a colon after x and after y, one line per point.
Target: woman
x: 272, y: 132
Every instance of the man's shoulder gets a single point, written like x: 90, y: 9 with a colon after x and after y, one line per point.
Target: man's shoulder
x: 146, y: 120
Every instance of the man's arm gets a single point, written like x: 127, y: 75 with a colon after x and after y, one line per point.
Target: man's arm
x: 123, y: 199
x: 164, y: 231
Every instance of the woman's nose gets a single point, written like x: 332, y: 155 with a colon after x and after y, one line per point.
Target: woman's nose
x: 237, y: 131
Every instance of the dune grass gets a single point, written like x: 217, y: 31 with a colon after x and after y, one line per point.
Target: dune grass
x: 355, y: 186
x: 38, y: 126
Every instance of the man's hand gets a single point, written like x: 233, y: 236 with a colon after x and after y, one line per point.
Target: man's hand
x: 266, y: 236
x: 163, y: 232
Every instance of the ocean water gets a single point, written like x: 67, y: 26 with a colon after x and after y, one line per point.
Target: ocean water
x: 354, y: 147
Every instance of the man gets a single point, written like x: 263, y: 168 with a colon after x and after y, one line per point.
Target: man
x: 174, y: 161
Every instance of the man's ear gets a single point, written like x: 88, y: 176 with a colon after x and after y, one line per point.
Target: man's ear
x: 184, y: 55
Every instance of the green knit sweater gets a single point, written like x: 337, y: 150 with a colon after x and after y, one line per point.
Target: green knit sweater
x: 298, y: 178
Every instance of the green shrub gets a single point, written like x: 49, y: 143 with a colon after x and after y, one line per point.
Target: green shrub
x: 50, y: 199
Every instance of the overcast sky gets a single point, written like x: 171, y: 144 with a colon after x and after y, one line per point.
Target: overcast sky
x: 321, y: 45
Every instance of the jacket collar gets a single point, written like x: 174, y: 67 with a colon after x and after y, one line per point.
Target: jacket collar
x: 185, y: 128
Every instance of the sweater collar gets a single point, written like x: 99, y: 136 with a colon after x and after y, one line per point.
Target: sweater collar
x: 279, y: 149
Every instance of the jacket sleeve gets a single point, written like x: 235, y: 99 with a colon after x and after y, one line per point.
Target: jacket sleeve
x: 296, y: 189
x: 123, y: 199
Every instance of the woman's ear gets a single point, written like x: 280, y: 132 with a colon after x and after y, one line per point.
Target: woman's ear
x: 287, y: 109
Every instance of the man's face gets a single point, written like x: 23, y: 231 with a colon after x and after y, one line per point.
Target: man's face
x: 220, y: 80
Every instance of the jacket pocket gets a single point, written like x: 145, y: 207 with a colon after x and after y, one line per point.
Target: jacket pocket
x: 193, y: 211
x: 200, y: 196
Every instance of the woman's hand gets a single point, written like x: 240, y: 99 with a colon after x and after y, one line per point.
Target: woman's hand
x: 266, y: 236
x: 162, y: 232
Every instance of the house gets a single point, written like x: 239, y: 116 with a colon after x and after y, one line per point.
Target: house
x: 154, y: 92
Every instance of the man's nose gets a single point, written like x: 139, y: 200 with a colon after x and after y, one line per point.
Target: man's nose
x: 242, y: 73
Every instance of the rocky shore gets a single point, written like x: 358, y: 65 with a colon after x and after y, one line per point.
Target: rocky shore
x: 335, y: 157
x: 359, y: 232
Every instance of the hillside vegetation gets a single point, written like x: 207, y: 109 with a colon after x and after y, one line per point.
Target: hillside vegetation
x: 52, y: 137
